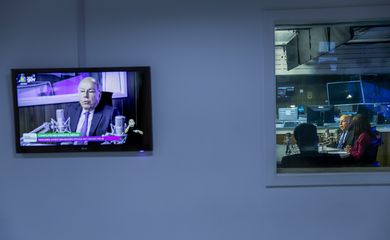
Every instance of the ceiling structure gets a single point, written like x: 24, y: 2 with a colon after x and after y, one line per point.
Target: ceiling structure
x: 355, y: 48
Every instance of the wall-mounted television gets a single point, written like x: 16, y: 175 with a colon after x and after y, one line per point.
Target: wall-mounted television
x: 285, y: 92
x: 82, y: 109
x: 348, y: 92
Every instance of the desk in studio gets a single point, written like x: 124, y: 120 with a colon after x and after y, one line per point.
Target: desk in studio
x: 383, y: 152
x: 281, y: 150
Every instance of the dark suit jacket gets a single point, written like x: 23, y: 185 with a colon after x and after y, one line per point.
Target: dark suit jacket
x: 102, y: 117
x: 312, y: 159
x: 349, y: 139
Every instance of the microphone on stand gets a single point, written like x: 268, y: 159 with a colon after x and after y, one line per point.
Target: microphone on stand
x: 30, y: 137
x: 60, y: 120
x: 60, y: 125
x: 117, y: 129
x: 120, y: 125
x: 45, y: 127
x: 121, y: 129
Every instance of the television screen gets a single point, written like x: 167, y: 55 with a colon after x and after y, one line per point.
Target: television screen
x: 320, y: 114
x: 285, y: 92
x: 82, y: 109
x: 349, y: 92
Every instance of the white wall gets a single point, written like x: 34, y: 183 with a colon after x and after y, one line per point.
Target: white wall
x: 205, y: 179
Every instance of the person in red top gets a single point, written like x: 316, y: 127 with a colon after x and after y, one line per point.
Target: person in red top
x: 365, y: 149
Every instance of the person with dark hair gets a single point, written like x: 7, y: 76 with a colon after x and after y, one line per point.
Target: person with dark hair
x: 365, y: 148
x: 306, y: 137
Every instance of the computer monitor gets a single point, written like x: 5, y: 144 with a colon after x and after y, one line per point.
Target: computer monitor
x: 320, y: 114
x: 288, y: 114
x: 301, y: 109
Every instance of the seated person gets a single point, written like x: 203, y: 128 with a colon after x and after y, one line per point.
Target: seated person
x: 365, y: 149
x: 306, y: 138
x: 88, y: 117
x: 345, y: 134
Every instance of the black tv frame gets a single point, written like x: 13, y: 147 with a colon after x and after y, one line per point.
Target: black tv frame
x: 341, y: 85
x: 144, y: 111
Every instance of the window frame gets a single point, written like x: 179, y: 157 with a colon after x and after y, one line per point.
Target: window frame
x: 271, y: 18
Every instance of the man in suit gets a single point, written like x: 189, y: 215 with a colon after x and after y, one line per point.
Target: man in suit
x: 88, y: 117
x: 345, y: 134
x: 306, y: 138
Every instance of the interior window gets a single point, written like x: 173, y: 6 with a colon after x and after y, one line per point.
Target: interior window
x: 332, y: 97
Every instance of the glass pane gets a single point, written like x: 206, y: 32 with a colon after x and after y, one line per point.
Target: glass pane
x: 332, y: 97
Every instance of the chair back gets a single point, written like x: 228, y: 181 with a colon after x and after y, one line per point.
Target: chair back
x: 105, y: 99
x: 377, y: 143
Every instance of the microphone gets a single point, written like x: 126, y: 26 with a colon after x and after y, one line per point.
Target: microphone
x: 45, y: 127
x: 120, y: 125
x: 60, y: 120
x: 30, y: 137
x: 60, y: 126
